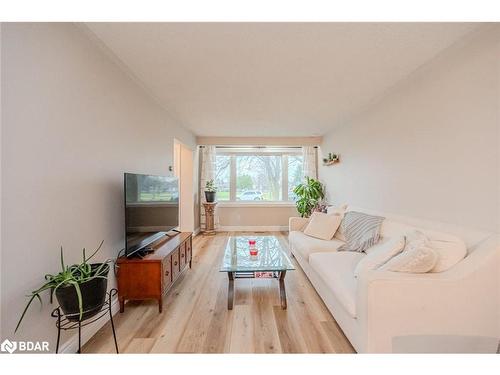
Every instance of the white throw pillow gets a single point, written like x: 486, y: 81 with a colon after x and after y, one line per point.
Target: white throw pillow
x: 379, y: 254
x: 450, y: 249
x: 341, y: 210
x: 323, y: 226
x: 417, y: 256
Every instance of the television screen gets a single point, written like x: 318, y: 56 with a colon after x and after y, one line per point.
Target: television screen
x: 151, y: 209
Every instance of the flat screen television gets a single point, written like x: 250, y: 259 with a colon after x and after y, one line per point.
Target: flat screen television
x: 151, y: 210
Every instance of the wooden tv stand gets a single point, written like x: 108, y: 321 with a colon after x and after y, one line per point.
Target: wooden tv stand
x: 152, y: 276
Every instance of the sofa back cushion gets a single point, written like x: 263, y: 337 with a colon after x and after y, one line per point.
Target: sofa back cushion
x: 391, y: 228
x: 449, y: 248
x: 471, y: 237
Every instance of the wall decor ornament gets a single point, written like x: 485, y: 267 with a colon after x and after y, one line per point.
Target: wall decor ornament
x: 331, y: 159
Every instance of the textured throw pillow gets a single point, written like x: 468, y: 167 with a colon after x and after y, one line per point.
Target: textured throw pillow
x: 417, y: 256
x: 323, y: 226
x: 380, y: 254
x: 361, y: 231
x: 450, y: 249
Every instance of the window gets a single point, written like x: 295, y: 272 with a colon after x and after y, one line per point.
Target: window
x: 222, y: 177
x: 257, y: 175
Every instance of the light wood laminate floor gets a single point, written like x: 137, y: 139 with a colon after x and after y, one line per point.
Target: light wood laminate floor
x: 195, y: 318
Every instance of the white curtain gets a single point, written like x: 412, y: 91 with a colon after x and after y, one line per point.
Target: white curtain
x: 207, y: 155
x: 310, y: 165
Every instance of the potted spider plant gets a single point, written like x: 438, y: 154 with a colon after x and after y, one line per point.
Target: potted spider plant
x: 210, y: 191
x: 80, y: 289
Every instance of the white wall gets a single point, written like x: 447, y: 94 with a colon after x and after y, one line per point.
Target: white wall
x: 429, y: 148
x: 271, y: 217
x: 73, y: 122
x: 1, y: 26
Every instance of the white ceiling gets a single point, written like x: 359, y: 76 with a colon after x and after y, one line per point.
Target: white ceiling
x: 272, y: 79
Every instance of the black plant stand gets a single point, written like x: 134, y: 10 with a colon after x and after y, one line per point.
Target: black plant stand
x: 64, y: 324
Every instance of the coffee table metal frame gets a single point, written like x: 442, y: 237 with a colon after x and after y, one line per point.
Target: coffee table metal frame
x: 247, y: 274
x: 280, y: 275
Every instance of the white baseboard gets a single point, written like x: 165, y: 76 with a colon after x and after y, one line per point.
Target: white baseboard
x: 196, y: 231
x: 71, y: 346
x: 252, y: 228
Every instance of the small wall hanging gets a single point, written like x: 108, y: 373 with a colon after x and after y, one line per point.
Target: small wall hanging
x: 331, y: 159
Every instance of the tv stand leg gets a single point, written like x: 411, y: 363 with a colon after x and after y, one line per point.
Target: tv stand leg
x: 160, y: 305
x: 122, y: 305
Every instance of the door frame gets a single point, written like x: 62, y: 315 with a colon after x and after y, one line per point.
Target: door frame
x: 177, y: 168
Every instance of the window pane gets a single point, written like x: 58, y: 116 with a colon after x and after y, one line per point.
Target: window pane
x: 294, y: 174
x: 222, y: 176
x: 258, y: 178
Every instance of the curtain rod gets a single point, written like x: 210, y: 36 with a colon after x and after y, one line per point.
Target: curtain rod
x: 298, y: 147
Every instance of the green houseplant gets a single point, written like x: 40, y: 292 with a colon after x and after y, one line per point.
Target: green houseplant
x: 210, y: 191
x: 80, y: 289
x: 309, y: 194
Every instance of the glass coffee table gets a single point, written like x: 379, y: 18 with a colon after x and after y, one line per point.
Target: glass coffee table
x: 270, y: 262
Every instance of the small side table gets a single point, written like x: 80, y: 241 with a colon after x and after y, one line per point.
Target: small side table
x: 209, y: 218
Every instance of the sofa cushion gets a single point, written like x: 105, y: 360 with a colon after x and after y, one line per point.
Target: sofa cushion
x: 306, y: 245
x: 323, y: 226
x: 337, y: 272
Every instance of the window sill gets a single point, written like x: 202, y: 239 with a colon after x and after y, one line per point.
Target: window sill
x: 255, y: 204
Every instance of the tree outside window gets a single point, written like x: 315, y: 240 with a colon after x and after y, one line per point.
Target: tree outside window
x: 257, y: 176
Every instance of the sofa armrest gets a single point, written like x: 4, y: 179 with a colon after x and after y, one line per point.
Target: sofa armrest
x: 460, y: 302
x: 297, y: 223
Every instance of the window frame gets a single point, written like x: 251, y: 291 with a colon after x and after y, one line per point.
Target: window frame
x: 233, y: 153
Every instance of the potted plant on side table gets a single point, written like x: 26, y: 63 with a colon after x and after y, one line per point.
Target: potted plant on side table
x: 309, y: 194
x: 210, y: 191
x: 80, y: 289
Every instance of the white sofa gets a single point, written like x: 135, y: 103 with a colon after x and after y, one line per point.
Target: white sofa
x: 456, y: 310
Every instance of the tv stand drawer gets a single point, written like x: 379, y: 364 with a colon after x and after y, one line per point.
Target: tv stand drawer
x: 167, y: 273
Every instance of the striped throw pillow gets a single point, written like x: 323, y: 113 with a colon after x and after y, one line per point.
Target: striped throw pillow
x: 361, y: 231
